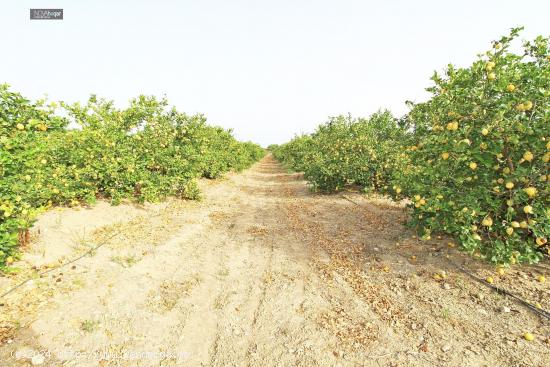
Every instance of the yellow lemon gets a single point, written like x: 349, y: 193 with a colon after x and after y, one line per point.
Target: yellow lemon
x: 528, y: 156
x: 541, y: 278
x: 510, y: 231
x: 445, y: 155
x: 515, y: 224
x: 20, y: 126
x: 487, y: 222
x: 530, y: 191
x: 520, y: 107
x: 523, y: 224
x: 528, y: 209
x: 490, y: 280
x: 509, y: 185
x: 9, y: 260
x: 490, y: 66
x: 484, y: 132
x: 541, y: 241
x: 473, y: 165
x: 528, y: 105
x: 528, y: 336
x: 510, y: 87
x: 452, y: 126
x: 491, y: 76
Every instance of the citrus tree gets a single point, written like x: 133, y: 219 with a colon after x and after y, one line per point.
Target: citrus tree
x: 473, y: 160
x: 346, y: 151
x: 479, y: 165
x: 24, y: 128
x: 292, y: 154
x: 145, y: 152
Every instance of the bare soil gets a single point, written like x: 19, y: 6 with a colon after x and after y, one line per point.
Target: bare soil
x: 261, y: 272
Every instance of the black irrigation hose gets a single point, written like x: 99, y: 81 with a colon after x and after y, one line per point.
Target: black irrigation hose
x: 348, y: 199
x: 60, y: 266
x: 540, y: 312
x: 70, y: 262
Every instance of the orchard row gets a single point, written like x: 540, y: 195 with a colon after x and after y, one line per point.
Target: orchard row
x: 472, y: 161
x: 74, y: 154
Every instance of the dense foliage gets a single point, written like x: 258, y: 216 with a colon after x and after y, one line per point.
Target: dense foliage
x: 346, y: 151
x: 145, y: 152
x: 473, y: 160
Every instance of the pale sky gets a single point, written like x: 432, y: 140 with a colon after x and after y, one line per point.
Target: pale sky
x: 267, y: 69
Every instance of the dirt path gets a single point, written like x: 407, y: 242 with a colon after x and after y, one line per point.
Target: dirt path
x: 261, y: 273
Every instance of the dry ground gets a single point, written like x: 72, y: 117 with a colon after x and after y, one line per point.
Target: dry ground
x: 262, y: 272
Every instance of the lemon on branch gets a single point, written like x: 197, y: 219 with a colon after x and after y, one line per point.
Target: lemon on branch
x: 528, y: 156
x: 531, y: 191
x: 487, y: 222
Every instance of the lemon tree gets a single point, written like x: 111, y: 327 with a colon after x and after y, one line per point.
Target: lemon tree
x: 347, y: 151
x: 144, y: 152
x: 24, y: 125
x: 292, y: 154
x: 479, y: 168
x: 473, y: 160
